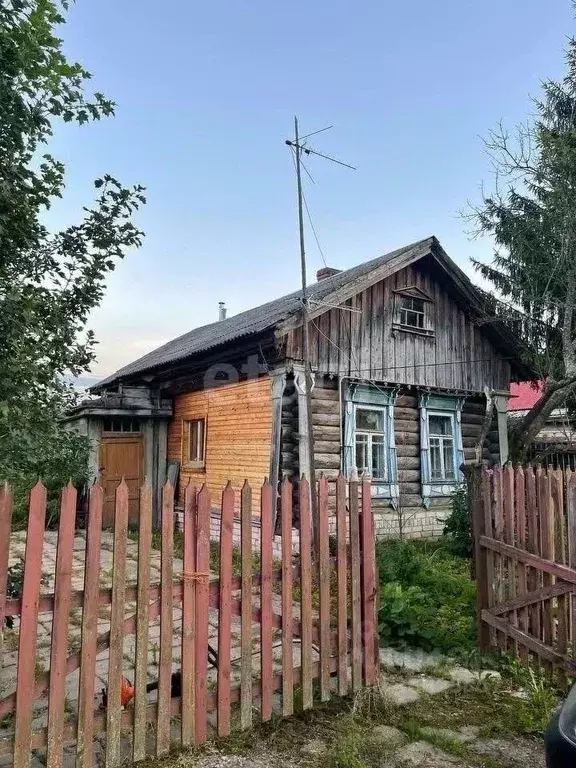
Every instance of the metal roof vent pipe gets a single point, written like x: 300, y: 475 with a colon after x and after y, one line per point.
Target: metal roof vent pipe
x: 221, y: 310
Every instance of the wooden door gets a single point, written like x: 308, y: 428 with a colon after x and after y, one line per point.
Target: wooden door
x: 121, y: 456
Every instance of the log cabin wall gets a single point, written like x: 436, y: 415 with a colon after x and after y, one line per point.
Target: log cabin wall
x: 238, y: 436
x: 418, y: 521
x: 364, y: 343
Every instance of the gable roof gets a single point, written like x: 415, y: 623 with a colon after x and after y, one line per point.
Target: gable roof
x: 285, y: 313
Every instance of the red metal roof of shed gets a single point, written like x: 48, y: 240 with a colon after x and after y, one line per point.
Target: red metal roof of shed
x: 524, y: 395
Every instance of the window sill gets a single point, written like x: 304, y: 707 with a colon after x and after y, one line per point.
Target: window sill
x: 416, y: 331
x: 195, y: 466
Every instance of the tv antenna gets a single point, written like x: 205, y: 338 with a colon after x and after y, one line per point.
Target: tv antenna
x: 298, y: 146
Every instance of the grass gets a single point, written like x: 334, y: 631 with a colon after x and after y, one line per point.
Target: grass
x: 346, y: 727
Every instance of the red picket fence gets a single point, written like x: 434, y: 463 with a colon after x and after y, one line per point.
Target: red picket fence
x: 319, y: 616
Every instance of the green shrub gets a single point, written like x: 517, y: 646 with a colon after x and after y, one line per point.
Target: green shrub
x: 427, y: 599
x: 457, y: 525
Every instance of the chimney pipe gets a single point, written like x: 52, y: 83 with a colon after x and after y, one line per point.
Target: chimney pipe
x: 325, y: 272
x: 221, y: 310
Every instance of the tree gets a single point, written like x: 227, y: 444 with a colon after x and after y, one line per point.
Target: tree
x: 532, y: 218
x: 49, y: 282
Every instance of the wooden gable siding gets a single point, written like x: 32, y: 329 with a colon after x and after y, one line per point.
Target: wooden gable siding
x: 364, y: 344
x: 238, y: 436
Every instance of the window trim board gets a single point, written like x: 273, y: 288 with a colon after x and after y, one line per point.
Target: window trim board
x: 429, y: 404
x: 193, y: 464
x: 365, y: 395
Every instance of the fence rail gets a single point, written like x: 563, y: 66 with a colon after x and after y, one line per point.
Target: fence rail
x: 524, y: 522
x: 222, y: 636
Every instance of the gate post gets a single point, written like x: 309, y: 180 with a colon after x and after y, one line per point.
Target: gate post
x: 477, y: 517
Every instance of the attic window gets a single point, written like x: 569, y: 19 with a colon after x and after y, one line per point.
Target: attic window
x: 412, y: 312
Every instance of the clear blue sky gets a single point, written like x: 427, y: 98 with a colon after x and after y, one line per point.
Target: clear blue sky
x: 206, y: 94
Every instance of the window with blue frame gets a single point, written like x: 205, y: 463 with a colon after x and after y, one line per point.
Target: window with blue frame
x: 441, y: 433
x: 370, y: 441
x: 441, y: 448
x: 369, y: 445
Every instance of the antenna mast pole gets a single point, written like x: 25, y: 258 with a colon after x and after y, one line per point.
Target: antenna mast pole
x: 306, y: 345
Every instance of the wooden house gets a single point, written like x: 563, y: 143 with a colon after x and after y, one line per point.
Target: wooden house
x: 402, y: 354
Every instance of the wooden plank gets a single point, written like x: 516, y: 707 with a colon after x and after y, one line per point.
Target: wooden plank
x: 306, y: 593
x: 29, y: 626
x: 571, y: 525
x: 544, y: 651
x: 189, y: 618
x: 368, y: 586
x: 557, y: 491
x: 530, y: 598
x: 509, y: 530
x: 166, y: 621
x: 287, y: 636
x: 520, y: 485
x: 355, y: 587
x: 544, y: 565
x: 324, y: 579
x: 116, y: 654
x: 202, y: 606
x: 533, y: 546
x: 246, y: 617
x: 85, y: 742
x: 479, y: 497
x: 546, y: 511
x: 267, y: 497
x: 342, y: 574
x: 5, y: 529
x: 488, y: 556
x: 142, y: 629
x: 225, y: 615
x: 60, y: 620
x: 498, y: 528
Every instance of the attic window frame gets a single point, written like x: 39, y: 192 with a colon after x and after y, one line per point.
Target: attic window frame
x: 412, y: 292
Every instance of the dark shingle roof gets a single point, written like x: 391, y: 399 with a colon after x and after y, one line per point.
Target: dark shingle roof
x: 256, y: 320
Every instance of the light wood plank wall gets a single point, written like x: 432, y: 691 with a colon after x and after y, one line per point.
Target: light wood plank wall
x: 238, y: 436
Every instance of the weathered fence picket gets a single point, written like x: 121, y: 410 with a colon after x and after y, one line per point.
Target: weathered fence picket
x: 189, y: 618
x: 355, y: 587
x: 266, y: 597
x: 58, y: 650
x: 287, y: 597
x: 142, y: 624
x: 202, y: 612
x: 246, y: 607
x: 84, y: 745
x: 530, y: 602
x: 225, y: 617
x: 166, y: 622
x: 324, y: 579
x: 333, y: 628
x: 28, y: 627
x: 5, y: 527
x: 116, y: 654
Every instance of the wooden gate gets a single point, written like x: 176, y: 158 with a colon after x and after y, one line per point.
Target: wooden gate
x: 524, y: 522
x: 121, y: 458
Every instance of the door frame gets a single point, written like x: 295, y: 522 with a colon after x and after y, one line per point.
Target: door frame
x: 130, y: 437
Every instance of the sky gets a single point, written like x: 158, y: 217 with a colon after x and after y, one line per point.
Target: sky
x: 206, y: 95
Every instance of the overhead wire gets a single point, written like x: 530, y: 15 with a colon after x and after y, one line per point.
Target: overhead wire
x: 312, y: 227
